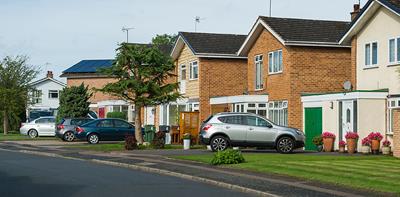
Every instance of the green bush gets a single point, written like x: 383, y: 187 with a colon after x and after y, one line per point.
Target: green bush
x: 120, y: 115
x: 227, y: 157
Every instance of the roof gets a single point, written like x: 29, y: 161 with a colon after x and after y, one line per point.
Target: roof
x: 212, y: 45
x: 366, y: 13
x: 46, y: 79
x: 88, y: 66
x: 297, y: 32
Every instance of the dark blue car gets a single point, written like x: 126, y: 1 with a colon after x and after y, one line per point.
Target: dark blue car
x: 104, y: 130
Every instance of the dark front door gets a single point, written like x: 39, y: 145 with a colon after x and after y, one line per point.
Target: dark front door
x: 313, y: 125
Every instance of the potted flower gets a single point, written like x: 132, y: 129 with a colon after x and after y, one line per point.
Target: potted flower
x: 342, y: 146
x: 328, y: 138
x: 375, y: 138
x: 317, y: 141
x: 365, y: 145
x: 386, y: 147
x: 351, y: 138
x: 186, y: 141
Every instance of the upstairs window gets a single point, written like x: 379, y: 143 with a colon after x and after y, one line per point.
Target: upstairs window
x: 371, y: 54
x: 394, y: 50
x: 258, y: 60
x: 37, y: 97
x: 275, y: 62
x: 183, y: 73
x: 53, y: 94
x: 194, y: 70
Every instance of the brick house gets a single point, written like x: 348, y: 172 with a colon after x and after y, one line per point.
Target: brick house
x: 373, y: 104
x: 287, y: 57
x: 207, y: 66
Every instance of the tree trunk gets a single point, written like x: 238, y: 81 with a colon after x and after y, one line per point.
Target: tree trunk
x: 138, y: 124
x: 5, y: 122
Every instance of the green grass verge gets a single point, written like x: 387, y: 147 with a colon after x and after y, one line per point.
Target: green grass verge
x: 18, y: 137
x: 121, y: 147
x: 379, y: 173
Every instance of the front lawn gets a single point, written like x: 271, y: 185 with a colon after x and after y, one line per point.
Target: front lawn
x: 107, y: 147
x: 18, y: 137
x: 380, y: 173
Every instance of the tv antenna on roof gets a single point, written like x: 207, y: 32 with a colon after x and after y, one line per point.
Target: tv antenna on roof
x: 197, y: 20
x: 270, y: 8
x: 126, y: 29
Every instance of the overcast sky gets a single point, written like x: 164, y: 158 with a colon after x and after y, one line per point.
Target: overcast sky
x: 56, y: 34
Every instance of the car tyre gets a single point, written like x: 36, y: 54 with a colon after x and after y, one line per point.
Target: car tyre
x: 285, y: 145
x: 33, y: 133
x: 68, y: 136
x: 219, y: 143
x: 93, y: 138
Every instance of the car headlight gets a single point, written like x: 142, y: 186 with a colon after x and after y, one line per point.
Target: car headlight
x: 299, y: 132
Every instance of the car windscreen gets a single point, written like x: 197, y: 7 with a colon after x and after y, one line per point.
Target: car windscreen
x: 91, y: 123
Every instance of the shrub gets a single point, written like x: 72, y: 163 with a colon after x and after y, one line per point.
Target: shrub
x: 328, y: 135
x: 342, y: 143
x: 375, y: 136
x: 386, y: 143
x: 227, y: 157
x: 130, y: 142
x: 159, y: 140
x: 119, y: 115
x: 187, y: 136
x: 317, y: 140
x: 366, y: 141
x: 351, y: 135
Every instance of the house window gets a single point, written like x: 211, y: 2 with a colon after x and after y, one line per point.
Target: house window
x: 257, y: 108
x: 194, y: 70
x: 37, y: 97
x: 183, y: 72
x: 371, y: 54
x: 53, y: 94
x: 278, y: 112
x: 394, y: 50
x: 275, y: 63
x: 259, y: 72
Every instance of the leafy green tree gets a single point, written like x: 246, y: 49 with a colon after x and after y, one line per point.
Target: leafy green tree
x: 164, y: 39
x: 74, y: 102
x: 15, y: 76
x: 141, y: 72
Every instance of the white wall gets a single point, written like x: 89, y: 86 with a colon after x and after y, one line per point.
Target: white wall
x: 371, y: 117
x: 45, y: 87
x: 382, y: 27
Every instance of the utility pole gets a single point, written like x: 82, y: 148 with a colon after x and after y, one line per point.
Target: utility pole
x: 126, y: 29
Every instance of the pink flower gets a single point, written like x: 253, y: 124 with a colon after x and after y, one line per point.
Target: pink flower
x: 366, y: 141
x: 351, y: 135
x: 386, y: 143
x: 375, y: 136
x: 342, y: 143
x: 328, y: 135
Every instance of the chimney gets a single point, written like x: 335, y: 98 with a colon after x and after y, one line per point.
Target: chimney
x: 355, y: 11
x: 49, y: 74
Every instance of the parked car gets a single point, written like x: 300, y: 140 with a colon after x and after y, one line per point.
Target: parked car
x: 248, y: 130
x: 66, y: 128
x: 43, y: 126
x: 108, y: 129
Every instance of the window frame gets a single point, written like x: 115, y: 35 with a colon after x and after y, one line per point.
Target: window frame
x: 396, y: 51
x: 370, y: 52
x: 191, y: 70
x: 272, y: 62
x: 181, y: 68
x: 37, y: 96
x: 280, y: 108
x: 259, y: 64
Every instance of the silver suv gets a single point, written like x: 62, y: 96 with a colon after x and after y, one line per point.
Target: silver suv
x: 248, y: 130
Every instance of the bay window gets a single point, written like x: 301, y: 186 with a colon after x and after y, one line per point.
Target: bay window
x: 278, y: 112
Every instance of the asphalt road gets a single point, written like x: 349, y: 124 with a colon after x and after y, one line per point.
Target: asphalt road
x: 28, y: 175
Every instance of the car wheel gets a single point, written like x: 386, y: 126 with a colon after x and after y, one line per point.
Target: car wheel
x: 68, y: 136
x: 32, y: 133
x: 219, y: 143
x: 285, y: 145
x: 93, y: 138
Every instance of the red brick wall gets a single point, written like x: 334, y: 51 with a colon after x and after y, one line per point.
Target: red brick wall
x: 93, y: 83
x: 396, y: 133
x: 220, y: 77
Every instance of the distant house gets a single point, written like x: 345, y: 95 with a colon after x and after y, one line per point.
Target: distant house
x: 44, y: 100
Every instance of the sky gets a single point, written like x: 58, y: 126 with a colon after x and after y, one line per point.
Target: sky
x: 56, y: 34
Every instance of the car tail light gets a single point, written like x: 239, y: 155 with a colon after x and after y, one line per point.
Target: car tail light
x: 79, y: 130
x: 208, y: 126
x: 60, y: 126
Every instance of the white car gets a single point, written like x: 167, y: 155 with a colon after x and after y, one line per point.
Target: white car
x: 43, y: 126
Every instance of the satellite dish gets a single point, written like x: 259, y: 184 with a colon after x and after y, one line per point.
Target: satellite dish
x: 347, y: 85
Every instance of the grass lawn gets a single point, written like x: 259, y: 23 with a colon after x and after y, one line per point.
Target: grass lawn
x: 379, y: 173
x: 18, y: 137
x: 121, y: 146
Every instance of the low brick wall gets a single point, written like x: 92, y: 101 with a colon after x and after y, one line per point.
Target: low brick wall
x: 396, y: 133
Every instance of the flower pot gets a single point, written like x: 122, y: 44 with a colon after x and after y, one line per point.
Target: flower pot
x: 375, y: 146
x: 386, y: 150
x: 341, y: 149
x: 351, y: 145
x: 328, y: 144
x: 365, y: 149
x: 320, y: 148
x: 186, y: 144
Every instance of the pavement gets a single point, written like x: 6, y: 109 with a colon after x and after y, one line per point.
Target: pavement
x: 158, y: 161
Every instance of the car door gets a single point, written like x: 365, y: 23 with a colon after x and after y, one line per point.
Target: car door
x: 106, y: 130
x: 259, y: 131
x: 123, y: 129
x: 45, y: 126
x: 235, y: 129
x: 51, y: 126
